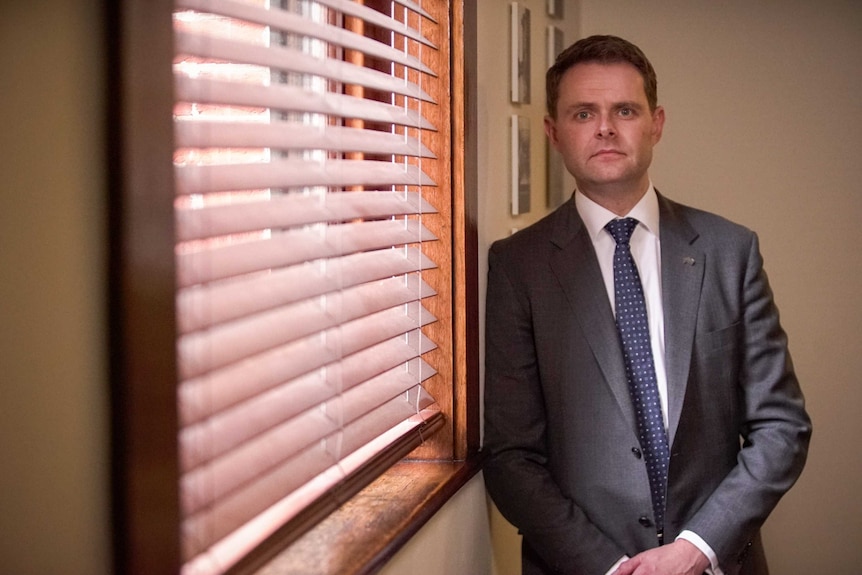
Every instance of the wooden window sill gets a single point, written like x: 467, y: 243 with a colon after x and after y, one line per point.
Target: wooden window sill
x: 364, y: 533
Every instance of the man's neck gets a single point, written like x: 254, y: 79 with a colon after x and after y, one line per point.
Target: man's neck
x: 619, y: 199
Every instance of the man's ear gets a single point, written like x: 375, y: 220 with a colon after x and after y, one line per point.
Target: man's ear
x: 657, y: 124
x: 551, y: 130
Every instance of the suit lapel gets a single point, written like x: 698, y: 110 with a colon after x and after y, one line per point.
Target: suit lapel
x: 578, y: 272
x: 682, y: 268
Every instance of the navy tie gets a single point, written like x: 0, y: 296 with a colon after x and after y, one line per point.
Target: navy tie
x: 633, y: 328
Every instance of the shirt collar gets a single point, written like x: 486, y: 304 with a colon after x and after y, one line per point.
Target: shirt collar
x: 595, y: 217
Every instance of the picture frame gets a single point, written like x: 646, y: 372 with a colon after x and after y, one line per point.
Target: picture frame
x: 555, y: 8
x: 520, y: 53
x: 555, y: 43
x: 520, y: 160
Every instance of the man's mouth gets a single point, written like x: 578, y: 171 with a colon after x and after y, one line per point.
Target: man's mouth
x: 607, y: 153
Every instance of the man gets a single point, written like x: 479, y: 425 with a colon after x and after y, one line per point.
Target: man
x: 642, y: 414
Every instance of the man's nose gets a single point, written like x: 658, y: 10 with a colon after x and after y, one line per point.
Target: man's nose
x: 606, y: 128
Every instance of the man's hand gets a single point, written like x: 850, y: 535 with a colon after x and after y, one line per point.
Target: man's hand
x: 677, y: 558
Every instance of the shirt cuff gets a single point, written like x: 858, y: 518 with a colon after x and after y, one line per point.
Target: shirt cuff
x: 616, y: 565
x: 698, y: 542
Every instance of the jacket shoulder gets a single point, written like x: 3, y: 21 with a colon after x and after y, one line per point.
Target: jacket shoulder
x: 706, y: 226
x: 540, y: 235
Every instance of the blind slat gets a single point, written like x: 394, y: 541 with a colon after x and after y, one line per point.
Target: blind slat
x: 230, y: 511
x: 411, y: 5
x: 285, y: 21
x: 295, y: 247
x: 215, y: 348
x: 295, y: 136
x: 206, y: 305
x: 324, y: 492
x: 373, y: 17
x: 255, y: 458
x: 291, y: 210
x: 225, y: 431
x: 373, y: 329
x: 201, y: 398
x: 290, y: 60
x: 293, y: 99
x: 192, y: 179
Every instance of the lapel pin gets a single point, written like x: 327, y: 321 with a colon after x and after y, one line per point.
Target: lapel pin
x: 689, y: 261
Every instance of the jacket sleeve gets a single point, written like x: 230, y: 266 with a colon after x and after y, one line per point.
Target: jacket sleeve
x: 774, y: 427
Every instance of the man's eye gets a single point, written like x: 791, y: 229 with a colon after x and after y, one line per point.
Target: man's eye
x: 583, y: 115
x: 625, y: 112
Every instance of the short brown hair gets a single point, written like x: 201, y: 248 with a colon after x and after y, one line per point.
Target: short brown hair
x: 604, y: 50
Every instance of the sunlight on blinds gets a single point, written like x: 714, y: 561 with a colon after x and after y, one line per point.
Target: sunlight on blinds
x: 299, y: 220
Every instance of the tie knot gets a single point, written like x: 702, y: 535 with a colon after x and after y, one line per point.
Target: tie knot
x: 621, y: 229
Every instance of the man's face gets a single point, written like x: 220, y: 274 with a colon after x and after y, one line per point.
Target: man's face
x: 604, y: 128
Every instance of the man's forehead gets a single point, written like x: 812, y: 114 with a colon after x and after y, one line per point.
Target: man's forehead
x: 596, y: 79
x: 596, y: 71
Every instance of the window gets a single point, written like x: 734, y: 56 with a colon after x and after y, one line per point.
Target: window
x: 316, y: 297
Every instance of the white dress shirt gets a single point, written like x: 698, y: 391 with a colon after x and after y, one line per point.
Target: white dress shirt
x: 645, y: 246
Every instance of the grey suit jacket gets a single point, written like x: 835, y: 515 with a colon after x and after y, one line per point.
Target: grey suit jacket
x: 560, y: 433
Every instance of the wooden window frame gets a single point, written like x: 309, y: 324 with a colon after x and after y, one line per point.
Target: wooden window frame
x: 143, y: 332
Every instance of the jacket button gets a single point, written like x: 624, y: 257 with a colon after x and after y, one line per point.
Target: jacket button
x: 645, y: 521
x: 637, y: 452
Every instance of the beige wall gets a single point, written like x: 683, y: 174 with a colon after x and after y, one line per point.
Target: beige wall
x: 763, y: 126
x: 495, y: 110
x: 53, y: 388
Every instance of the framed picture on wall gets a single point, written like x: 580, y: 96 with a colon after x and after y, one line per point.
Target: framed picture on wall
x: 520, y: 139
x: 520, y: 53
x: 555, y: 8
x: 555, y: 44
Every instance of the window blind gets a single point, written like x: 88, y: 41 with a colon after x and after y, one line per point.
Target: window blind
x: 299, y: 223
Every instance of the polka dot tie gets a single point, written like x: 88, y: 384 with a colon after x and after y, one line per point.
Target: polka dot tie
x: 640, y: 371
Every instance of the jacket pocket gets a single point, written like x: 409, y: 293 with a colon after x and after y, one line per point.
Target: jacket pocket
x: 719, y: 340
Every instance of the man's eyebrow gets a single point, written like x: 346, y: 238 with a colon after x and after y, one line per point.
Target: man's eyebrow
x: 615, y: 106
x: 582, y: 106
x: 632, y: 104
